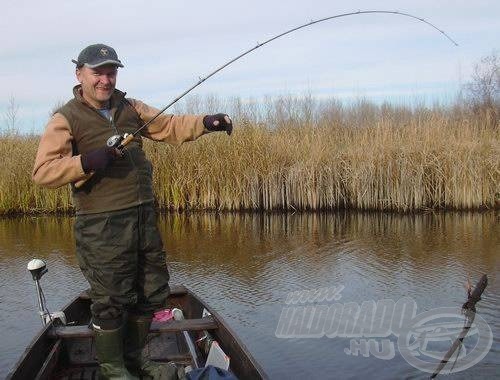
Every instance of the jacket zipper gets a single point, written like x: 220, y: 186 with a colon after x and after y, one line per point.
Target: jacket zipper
x: 127, y: 153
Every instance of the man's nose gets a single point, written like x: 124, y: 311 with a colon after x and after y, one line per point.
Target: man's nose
x: 104, y: 79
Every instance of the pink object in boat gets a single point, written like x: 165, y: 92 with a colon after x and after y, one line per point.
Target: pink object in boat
x: 163, y: 315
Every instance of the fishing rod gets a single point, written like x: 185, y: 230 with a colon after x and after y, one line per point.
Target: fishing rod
x: 120, y: 141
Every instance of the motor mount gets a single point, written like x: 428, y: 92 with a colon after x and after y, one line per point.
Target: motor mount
x: 37, y: 268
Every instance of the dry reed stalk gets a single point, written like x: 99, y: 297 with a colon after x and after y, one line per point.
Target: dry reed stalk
x: 297, y: 154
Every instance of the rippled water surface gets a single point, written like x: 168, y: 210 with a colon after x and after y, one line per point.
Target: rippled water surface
x: 246, y: 265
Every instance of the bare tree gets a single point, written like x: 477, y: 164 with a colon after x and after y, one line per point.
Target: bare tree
x: 10, y: 116
x: 483, y: 91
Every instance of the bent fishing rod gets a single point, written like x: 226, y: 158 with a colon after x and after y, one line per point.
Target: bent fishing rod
x: 120, y: 141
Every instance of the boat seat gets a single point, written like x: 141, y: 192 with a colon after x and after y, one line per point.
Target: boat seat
x: 175, y: 290
x: 199, y: 324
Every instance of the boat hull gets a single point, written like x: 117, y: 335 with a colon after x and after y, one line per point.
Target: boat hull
x: 64, y: 352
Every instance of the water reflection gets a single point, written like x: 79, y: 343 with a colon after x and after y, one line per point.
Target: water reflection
x: 246, y: 264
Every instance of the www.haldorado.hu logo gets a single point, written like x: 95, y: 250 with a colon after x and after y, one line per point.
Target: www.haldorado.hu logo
x: 422, y: 340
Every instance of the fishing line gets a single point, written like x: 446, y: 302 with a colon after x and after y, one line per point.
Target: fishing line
x: 129, y: 138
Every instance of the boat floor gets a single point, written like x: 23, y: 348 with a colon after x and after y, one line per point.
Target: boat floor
x: 78, y: 357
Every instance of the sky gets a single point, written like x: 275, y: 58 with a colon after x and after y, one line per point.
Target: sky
x: 167, y: 45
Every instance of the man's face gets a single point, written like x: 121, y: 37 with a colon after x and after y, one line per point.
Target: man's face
x: 97, y: 84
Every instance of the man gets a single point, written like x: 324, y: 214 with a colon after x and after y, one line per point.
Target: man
x: 118, y: 245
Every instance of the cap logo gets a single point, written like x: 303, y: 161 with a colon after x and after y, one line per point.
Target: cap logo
x: 104, y: 52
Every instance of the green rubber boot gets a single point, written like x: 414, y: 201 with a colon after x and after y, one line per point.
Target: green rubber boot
x: 109, y: 350
x: 137, y: 329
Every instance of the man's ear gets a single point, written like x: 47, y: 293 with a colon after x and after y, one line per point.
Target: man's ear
x: 78, y: 74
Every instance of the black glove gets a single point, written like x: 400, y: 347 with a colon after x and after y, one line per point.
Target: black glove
x: 99, y: 159
x: 218, y: 122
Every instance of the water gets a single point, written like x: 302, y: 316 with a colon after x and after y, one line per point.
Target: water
x: 246, y: 265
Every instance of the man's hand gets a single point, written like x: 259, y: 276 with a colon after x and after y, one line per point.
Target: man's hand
x: 218, y: 122
x: 99, y: 159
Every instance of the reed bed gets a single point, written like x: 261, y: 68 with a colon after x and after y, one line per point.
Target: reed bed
x: 290, y: 154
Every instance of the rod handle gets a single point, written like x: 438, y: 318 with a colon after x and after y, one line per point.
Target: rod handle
x: 125, y: 141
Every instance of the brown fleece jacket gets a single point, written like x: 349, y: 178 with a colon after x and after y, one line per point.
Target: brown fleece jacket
x: 55, y: 164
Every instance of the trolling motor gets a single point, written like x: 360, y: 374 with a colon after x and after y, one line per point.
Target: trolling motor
x: 38, y: 268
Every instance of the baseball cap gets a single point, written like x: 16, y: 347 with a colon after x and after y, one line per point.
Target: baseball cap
x: 97, y: 55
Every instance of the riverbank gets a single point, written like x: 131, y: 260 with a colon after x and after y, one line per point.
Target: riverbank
x: 297, y: 154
